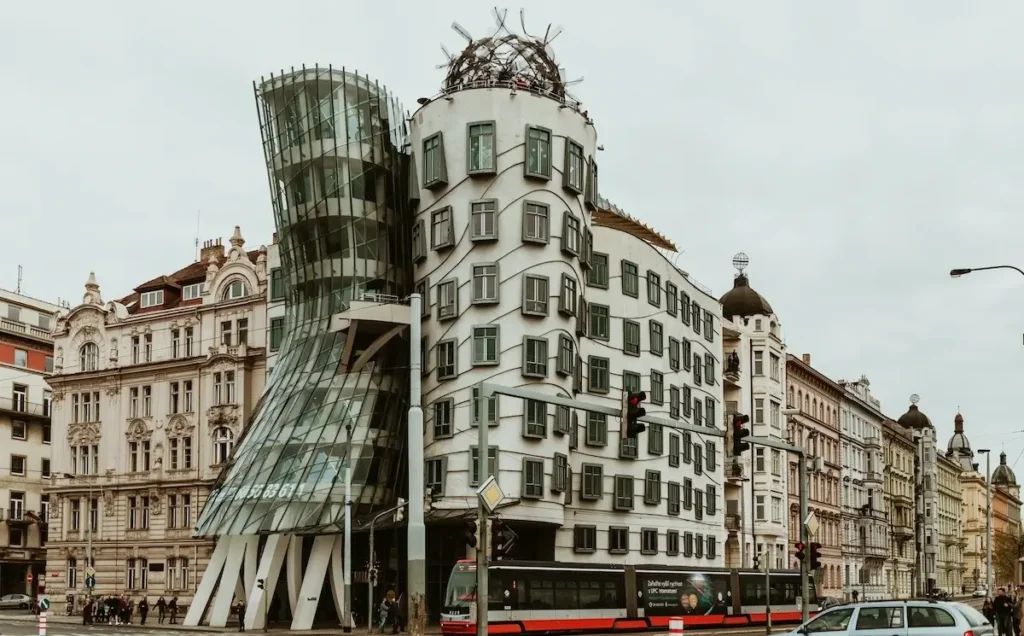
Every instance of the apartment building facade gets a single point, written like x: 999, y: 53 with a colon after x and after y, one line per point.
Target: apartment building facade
x: 865, y: 529
x: 950, y: 563
x: 26, y: 361
x: 900, y: 451
x: 150, y: 394
x: 816, y: 429
x: 754, y: 384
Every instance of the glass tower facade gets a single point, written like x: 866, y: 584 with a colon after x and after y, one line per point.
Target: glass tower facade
x: 335, y: 148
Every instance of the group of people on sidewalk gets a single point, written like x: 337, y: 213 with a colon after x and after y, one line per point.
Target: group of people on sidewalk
x: 1005, y: 611
x: 119, y: 610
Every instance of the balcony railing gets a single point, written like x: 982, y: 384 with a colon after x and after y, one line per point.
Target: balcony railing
x: 23, y: 407
x: 873, y: 476
x: 872, y: 441
x: 732, y: 522
x: 13, y: 326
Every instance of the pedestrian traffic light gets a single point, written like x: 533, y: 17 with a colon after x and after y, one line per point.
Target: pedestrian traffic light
x: 800, y: 547
x: 815, y: 556
x: 469, y: 536
x: 400, y: 510
x: 738, y: 433
x: 632, y: 412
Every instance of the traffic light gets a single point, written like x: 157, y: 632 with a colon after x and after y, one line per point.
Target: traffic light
x: 259, y: 583
x: 469, y: 536
x: 815, y: 556
x: 738, y: 433
x: 800, y: 547
x: 502, y: 538
x: 400, y: 511
x: 631, y: 412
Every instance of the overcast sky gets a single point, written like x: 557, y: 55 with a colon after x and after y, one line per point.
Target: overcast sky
x: 855, y: 151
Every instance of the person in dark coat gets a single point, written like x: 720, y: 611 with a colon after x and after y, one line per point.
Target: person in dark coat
x: 240, y: 610
x: 172, y: 607
x: 143, y: 610
x: 1003, y: 608
x: 161, y: 609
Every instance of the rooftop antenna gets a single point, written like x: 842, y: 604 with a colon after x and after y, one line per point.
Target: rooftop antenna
x: 20, y: 272
x: 740, y: 262
x: 198, y: 215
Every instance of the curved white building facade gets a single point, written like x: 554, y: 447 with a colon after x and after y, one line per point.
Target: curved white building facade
x: 525, y: 287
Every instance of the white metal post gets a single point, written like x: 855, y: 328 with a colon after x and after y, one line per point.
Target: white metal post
x: 416, y: 578
x: 347, y: 620
x: 482, y: 456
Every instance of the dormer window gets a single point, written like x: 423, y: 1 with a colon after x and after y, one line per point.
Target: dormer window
x: 151, y: 299
x: 191, y: 292
x: 237, y: 289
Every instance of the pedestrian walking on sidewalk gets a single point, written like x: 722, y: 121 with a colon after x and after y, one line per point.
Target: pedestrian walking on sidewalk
x: 172, y: 607
x: 161, y: 609
x: 143, y: 610
x: 240, y: 610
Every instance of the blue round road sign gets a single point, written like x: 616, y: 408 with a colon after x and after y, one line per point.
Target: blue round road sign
x: 90, y: 581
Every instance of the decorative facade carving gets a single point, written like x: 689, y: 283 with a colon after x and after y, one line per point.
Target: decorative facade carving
x: 180, y: 426
x: 223, y: 415
x: 56, y: 506
x: 138, y: 432
x: 155, y: 502
x: 84, y: 433
x: 113, y: 390
x: 108, y: 503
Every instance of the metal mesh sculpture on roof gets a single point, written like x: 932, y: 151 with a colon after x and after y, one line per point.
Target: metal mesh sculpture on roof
x: 507, y: 57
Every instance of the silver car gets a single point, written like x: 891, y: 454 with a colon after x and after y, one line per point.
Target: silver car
x: 15, y: 601
x: 899, y: 618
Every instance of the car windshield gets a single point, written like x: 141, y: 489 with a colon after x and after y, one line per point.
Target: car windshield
x: 833, y: 621
x: 973, y: 616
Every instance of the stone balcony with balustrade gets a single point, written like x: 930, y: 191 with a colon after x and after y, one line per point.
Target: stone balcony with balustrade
x: 25, y: 330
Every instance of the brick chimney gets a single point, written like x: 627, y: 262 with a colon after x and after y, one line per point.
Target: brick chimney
x: 213, y: 246
x: 807, y: 359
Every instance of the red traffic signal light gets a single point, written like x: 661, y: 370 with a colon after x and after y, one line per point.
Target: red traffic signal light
x: 815, y: 556
x: 632, y: 412
x: 738, y: 433
x: 800, y: 547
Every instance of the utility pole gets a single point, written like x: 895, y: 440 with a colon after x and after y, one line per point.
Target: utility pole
x: 801, y: 467
x: 988, y: 519
x: 482, y: 456
x: 347, y: 626
x: 416, y: 578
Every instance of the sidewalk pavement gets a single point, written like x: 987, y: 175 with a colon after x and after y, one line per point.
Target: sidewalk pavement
x: 278, y: 629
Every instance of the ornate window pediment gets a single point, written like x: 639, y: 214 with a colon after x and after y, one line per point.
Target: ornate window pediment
x: 138, y: 431
x: 84, y: 433
x: 180, y: 426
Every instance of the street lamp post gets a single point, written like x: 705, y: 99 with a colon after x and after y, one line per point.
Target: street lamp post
x: 957, y: 273
x: 988, y: 518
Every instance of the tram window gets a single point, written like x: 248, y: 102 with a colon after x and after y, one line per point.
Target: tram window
x: 541, y: 595
x: 590, y: 595
x: 565, y: 595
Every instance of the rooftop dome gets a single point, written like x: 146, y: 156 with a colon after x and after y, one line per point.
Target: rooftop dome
x: 958, y: 443
x: 915, y: 419
x: 1003, y: 475
x: 743, y: 301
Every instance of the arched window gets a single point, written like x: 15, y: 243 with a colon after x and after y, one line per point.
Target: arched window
x: 223, y: 442
x: 814, y: 407
x: 71, y: 580
x: 821, y: 412
x: 790, y: 396
x: 89, y: 357
x: 236, y: 289
x: 799, y: 400
x: 807, y: 405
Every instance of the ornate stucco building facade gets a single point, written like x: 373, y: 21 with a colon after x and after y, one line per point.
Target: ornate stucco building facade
x: 754, y: 358
x: 899, y: 451
x: 816, y: 428
x: 950, y: 566
x: 150, y: 393
x: 926, y: 500
x: 865, y: 530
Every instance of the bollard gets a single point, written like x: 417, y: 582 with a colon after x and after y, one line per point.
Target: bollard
x: 675, y: 626
x: 42, y: 622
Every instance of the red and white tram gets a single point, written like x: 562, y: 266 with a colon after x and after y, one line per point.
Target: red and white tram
x: 533, y: 596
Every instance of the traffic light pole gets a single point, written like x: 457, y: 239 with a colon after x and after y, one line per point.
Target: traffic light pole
x: 802, y: 478
x: 483, y: 465
x: 416, y: 537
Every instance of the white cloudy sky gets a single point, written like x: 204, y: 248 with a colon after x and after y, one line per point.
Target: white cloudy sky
x: 855, y: 150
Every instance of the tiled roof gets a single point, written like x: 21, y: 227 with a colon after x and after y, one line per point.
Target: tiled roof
x: 192, y: 273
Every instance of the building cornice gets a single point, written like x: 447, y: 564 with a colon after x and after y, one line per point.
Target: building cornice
x: 821, y: 380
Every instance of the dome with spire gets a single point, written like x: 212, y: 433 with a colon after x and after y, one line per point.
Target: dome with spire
x: 1003, y: 474
x: 742, y: 300
x: 959, y: 448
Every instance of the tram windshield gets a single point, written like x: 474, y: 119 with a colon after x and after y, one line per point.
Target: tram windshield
x: 461, y: 592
